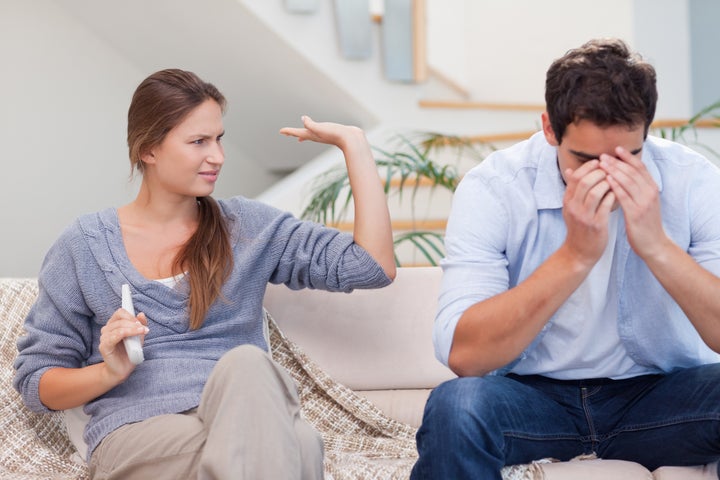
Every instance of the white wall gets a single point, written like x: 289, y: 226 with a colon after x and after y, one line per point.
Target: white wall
x: 64, y: 101
x: 500, y: 51
x: 446, y: 45
x: 668, y: 50
x: 64, y: 96
x: 705, y: 63
x: 514, y: 43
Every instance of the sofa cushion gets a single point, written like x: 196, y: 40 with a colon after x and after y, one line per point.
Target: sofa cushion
x: 701, y: 472
x: 405, y: 406
x: 595, y: 469
x: 369, y: 339
x: 75, y: 421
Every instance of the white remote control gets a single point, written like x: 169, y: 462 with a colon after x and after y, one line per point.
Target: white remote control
x: 132, y: 344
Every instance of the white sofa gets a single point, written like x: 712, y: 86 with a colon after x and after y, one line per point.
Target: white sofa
x: 378, y: 343
x: 364, y: 365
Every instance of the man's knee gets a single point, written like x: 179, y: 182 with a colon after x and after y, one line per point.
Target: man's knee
x: 462, y: 402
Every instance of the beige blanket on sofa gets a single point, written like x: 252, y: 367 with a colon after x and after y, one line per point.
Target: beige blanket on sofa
x: 360, y: 441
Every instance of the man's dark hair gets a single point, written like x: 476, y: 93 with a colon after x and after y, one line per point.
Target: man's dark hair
x: 602, y: 82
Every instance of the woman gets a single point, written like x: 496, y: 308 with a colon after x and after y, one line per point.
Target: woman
x: 208, y: 401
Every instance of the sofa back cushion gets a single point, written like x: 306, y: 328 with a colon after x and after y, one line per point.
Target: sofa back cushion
x: 368, y: 339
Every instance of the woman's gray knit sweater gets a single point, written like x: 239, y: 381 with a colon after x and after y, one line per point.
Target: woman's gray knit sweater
x: 80, y: 284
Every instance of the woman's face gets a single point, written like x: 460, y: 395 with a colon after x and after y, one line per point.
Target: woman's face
x: 189, y: 159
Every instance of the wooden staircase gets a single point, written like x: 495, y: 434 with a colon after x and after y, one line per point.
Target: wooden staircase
x: 419, y: 204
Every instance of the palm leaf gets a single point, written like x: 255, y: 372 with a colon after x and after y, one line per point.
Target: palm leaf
x: 689, y: 129
x: 407, y: 165
x: 429, y: 244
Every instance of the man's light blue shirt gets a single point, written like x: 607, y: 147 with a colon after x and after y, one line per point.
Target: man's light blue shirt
x: 506, y: 220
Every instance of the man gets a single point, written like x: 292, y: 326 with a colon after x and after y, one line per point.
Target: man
x: 580, y: 304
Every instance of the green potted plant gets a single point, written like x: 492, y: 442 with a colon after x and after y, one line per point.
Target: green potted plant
x: 407, y: 169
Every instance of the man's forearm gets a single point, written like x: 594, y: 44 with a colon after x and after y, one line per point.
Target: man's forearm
x: 492, y: 333
x: 695, y: 289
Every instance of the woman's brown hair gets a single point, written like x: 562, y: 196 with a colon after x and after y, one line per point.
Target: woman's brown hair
x: 160, y: 103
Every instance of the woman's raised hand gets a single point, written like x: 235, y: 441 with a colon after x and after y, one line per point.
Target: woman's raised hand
x: 324, y: 132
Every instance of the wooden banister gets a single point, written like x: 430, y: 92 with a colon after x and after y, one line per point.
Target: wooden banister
x: 452, y: 84
x: 468, y: 104
x: 419, y: 33
x: 400, y: 225
x: 523, y: 135
x: 526, y: 107
x: 674, y: 123
x: 411, y: 182
x: 501, y: 137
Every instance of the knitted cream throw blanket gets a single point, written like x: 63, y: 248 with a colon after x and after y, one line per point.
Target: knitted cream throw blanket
x: 360, y: 441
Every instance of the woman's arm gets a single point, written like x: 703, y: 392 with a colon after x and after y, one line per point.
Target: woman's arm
x: 372, y: 229
x: 64, y: 388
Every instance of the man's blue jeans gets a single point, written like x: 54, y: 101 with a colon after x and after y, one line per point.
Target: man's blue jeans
x: 473, y: 426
